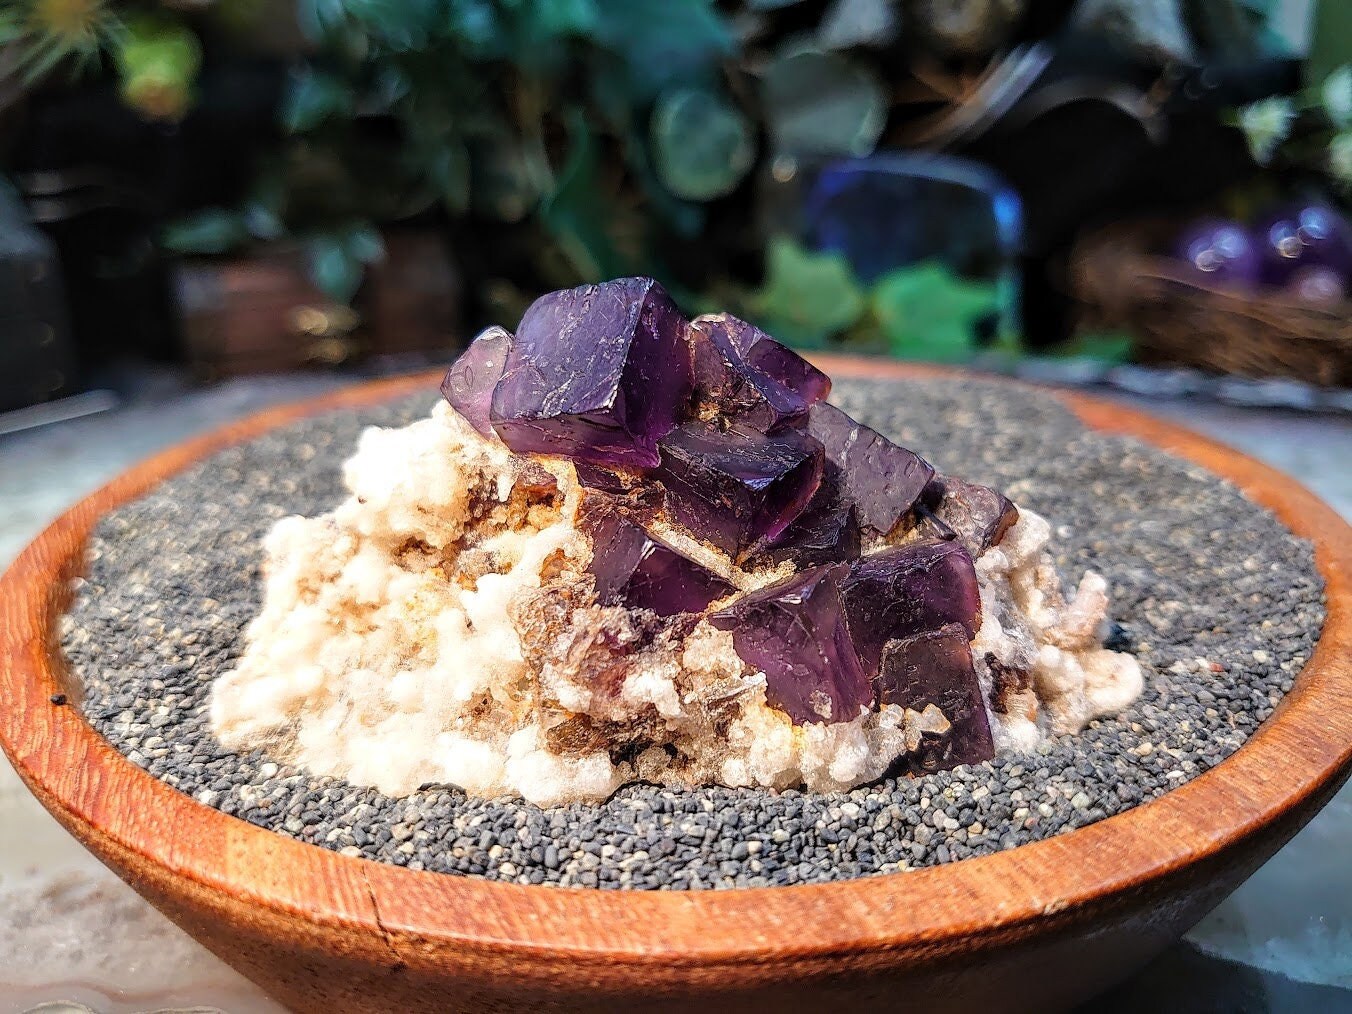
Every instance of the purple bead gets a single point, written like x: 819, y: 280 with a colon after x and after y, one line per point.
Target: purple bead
x: 639, y: 570
x: 1221, y: 252
x: 1302, y: 236
x: 469, y: 383
x: 735, y: 488
x: 906, y: 590
x: 977, y: 516
x: 826, y: 532
x: 742, y: 373
x: 597, y: 373
x: 881, y: 479
x: 935, y: 667
x: 795, y: 632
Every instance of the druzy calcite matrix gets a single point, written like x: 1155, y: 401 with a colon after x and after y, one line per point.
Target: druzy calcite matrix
x: 633, y: 545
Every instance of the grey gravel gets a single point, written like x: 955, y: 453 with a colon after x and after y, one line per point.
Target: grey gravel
x: 1219, y: 601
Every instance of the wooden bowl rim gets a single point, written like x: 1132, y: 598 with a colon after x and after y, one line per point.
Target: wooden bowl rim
x: 114, y: 806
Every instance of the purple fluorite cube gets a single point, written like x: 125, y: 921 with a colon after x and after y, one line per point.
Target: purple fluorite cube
x: 636, y: 569
x: 826, y: 532
x: 977, y: 516
x: 742, y: 373
x: 880, y: 478
x: 469, y: 382
x: 907, y: 590
x: 795, y: 633
x: 736, y: 487
x: 935, y: 667
x: 598, y: 373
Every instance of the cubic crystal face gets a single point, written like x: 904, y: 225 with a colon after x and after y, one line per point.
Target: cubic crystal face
x: 635, y: 568
x: 880, y: 478
x: 597, y: 373
x: 795, y: 633
x: 977, y: 516
x: 735, y: 487
x: 906, y: 590
x: 742, y: 374
x: 469, y: 383
x: 826, y: 532
x: 935, y: 668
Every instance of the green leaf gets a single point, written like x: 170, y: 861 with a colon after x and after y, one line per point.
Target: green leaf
x: 806, y: 296
x: 701, y: 142
x: 1102, y: 347
x: 927, y: 312
x: 565, y: 17
x: 448, y: 169
x: 576, y: 214
x: 314, y: 97
x: 1330, y: 40
x: 684, y: 218
x: 212, y: 231
x: 503, y: 184
x: 363, y: 243
x: 334, y: 268
x: 663, y: 42
x: 822, y: 103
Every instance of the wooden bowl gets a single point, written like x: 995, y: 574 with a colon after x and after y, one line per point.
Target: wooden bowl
x: 1034, y: 928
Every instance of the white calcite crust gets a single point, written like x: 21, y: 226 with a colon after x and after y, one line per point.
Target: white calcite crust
x: 438, y: 627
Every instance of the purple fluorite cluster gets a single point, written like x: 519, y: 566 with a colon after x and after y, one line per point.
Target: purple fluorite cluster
x: 712, y: 428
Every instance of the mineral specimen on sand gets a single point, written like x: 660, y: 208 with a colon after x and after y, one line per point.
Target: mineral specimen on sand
x: 635, y: 546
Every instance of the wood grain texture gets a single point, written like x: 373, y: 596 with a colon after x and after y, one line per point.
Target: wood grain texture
x: 1034, y: 928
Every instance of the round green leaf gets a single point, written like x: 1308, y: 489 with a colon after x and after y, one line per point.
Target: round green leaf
x: 822, y: 103
x: 806, y: 296
x: 702, y: 144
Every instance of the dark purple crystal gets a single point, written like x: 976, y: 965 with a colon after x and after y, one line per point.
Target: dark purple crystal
x: 598, y: 373
x: 742, y: 373
x: 977, y: 516
x: 826, y: 532
x: 636, y: 569
x: 469, y: 383
x: 935, y: 667
x: 795, y: 633
x: 907, y: 590
x: 880, y: 478
x: 733, y: 488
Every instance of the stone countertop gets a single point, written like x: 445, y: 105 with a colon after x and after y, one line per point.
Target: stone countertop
x: 70, y: 931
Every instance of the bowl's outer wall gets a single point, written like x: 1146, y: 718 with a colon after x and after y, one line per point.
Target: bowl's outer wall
x: 1035, y: 928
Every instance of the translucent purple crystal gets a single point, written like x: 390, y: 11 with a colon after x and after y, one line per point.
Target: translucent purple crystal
x: 935, y: 668
x: 907, y: 590
x: 977, y: 516
x: 598, y: 373
x: 636, y: 569
x: 795, y: 632
x: 826, y: 532
x: 880, y: 478
x: 469, y: 383
x: 742, y: 373
x: 733, y: 488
